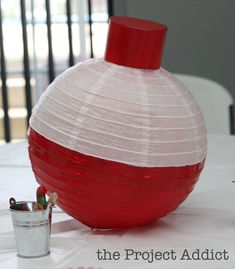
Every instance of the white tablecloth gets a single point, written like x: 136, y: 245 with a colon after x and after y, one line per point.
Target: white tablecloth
x: 206, y: 220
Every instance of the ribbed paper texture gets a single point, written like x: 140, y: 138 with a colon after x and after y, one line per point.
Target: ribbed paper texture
x: 143, y: 118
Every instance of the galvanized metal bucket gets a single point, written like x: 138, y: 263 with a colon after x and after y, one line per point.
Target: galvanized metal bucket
x: 32, y: 229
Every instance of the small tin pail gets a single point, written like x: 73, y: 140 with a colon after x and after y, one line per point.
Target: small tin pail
x: 32, y: 229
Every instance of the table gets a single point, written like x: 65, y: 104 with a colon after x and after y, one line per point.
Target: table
x: 206, y: 220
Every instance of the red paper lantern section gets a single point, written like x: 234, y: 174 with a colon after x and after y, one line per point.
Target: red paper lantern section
x: 119, y: 139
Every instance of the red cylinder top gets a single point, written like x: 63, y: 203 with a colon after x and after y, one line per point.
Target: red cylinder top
x: 135, y: 42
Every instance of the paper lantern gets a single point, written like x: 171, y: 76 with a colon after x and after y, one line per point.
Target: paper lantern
x: 120, y: 139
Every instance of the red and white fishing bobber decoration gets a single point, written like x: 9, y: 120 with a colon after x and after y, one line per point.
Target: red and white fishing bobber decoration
x: 120, y: 139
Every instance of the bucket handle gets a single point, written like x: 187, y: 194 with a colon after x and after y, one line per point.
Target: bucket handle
x: 47, y: 212
x: 12, y: 201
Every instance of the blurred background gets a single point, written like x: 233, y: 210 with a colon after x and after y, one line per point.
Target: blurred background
x: 39, y: 39
x: 200, y: 37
